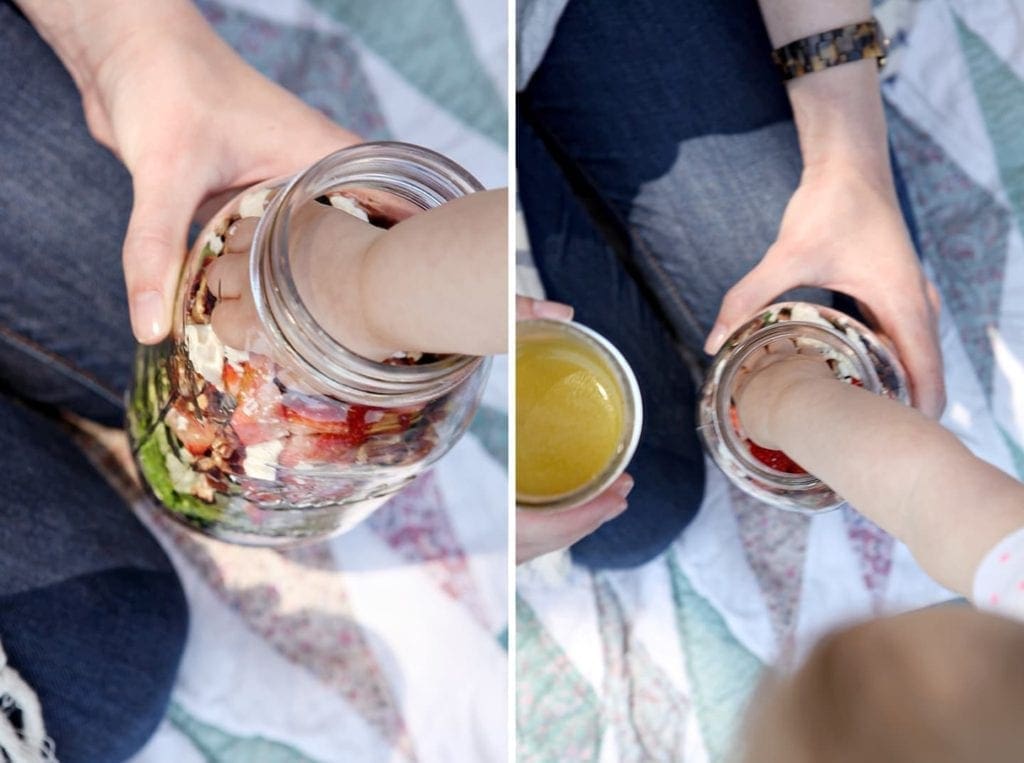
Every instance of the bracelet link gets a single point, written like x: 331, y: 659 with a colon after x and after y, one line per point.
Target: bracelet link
x: 842, y: 45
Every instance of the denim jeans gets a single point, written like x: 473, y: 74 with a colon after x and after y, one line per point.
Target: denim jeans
x: 656, y: 154
x: 91, y: 612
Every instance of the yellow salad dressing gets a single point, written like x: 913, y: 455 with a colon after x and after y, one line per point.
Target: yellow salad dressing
x: 569, y: 415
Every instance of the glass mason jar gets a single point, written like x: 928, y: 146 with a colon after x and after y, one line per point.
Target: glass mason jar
x: 578, y: 414
x: 291, y: 436
x: 856, y: 355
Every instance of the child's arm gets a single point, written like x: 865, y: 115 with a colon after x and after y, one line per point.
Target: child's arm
x: 438, y: 281
x: 904, y: 472
x: 435, y: 282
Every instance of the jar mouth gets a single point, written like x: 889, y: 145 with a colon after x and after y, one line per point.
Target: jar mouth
x: 632, y: 422
x: 411, y: 173
x: 825, y: 337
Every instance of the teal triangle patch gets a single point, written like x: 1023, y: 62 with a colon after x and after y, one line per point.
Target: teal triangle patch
x: 723, y: 673
x: 429, y: 45
x: 1016, y: 452
x: 490, y: 426
x: 1000, y: 94
x: 557, y: 714
x: 218, y: 746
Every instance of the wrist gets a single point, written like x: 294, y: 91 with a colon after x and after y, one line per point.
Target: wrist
x: 90, y: 36
x: 333, y: 265
x: 840, y: 119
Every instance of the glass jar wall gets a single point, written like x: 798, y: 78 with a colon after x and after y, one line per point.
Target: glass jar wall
x: 253, y: 424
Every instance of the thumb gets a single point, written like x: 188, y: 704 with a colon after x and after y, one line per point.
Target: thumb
x: 154, y: 247
x: 755, y: 290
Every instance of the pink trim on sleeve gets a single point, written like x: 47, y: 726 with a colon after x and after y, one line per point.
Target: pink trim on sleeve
x: 999, y: 580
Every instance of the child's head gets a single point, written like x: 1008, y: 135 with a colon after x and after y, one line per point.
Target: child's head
x: 941, y: 685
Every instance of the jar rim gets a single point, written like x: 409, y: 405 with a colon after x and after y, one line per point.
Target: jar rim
x: 414, y: 173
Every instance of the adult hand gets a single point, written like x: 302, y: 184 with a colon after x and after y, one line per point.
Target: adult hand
x: 187, y: 116
x: 843, y: 230
x: 539, y: 531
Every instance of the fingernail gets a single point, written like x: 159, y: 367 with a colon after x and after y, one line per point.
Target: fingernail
x: 554, y: 311
x: 148, y: 316
x: 618, y: 509
x: 623, y: 486
x: 715, y: 340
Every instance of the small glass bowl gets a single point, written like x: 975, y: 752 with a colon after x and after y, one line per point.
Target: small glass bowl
x: 853, y: 351
x: 572, y: 332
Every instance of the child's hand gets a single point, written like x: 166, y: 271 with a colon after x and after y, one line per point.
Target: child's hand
x: 326, y: 252
x: 760, y: 384
x: 434, y: 282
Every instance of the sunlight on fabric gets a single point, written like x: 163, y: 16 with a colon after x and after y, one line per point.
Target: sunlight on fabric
x: 959, y: 415
x: 1012, y: 368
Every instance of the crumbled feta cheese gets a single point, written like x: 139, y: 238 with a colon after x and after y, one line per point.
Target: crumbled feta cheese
x: 216, y: 243
x: 182, y: 477
x: 261, y: 459
x: 252, y: 203
x: 808, y: 314
x: 235, y: 357
x: 345, y: 204
x: 206, y: 352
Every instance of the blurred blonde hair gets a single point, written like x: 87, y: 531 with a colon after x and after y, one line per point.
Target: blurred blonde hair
x: 941, y: 685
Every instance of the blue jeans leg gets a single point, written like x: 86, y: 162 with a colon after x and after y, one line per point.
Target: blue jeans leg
x: 672, y: 116
x: 581, y: 267
x: 92, y: 614
x: 91, y: 611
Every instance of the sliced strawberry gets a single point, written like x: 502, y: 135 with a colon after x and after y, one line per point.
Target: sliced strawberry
x: 734, y: 418
x: 377, y: 421
x: 232, y: 378
x: 306, y: 414
x: 316, y: 449
x: 195, y: 434
x: 259, y: 414
x: 775, y: 459
x: 357, y: 426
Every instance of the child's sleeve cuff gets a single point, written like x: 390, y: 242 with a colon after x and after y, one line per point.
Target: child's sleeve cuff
x: 999, y: 579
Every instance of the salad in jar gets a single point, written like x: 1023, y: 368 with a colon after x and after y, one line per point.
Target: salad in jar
x: 234, y: 443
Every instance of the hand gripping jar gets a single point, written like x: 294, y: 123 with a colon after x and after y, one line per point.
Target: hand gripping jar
x: 855, y: 354
x: 291, y: 436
